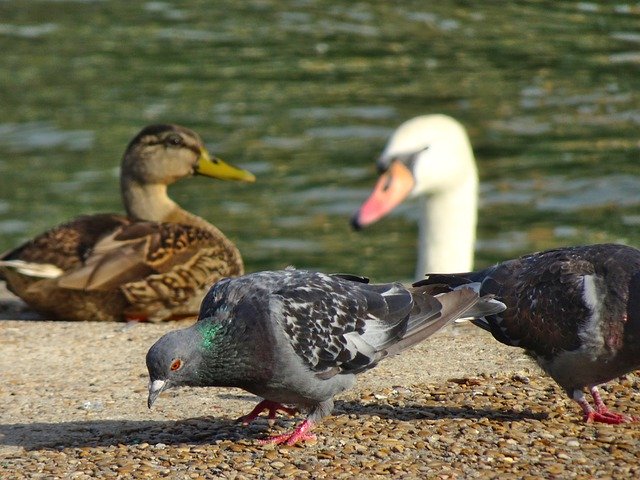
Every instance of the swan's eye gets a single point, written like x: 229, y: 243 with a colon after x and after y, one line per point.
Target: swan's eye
x: 410, y: 159
x: 176, y: 365
x: 382, y: 165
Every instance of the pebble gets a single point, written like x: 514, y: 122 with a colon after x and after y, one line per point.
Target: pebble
x: 485, y: 427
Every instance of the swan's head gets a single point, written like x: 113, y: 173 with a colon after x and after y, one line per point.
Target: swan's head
x: 424, y: 155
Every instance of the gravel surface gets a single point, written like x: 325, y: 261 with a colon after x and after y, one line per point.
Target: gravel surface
x: 460, y: 405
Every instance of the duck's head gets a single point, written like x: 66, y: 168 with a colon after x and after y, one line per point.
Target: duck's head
x: 423, y: 156
x: 162, y: 154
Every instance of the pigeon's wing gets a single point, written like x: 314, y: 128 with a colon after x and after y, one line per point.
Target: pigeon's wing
x: 549, y: 297
x: 350, y: 277
x: 336, y: 325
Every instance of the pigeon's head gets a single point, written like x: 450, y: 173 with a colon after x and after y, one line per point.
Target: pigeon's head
x: 173, y: 361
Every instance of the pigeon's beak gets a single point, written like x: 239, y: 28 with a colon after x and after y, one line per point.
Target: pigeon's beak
x: 155, y: 388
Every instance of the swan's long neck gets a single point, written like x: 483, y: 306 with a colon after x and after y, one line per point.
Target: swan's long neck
x: 152, y: 203
x: 447, y: 229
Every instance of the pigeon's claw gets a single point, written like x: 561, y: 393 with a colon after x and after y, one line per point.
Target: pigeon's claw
x: 300, y: 434
x: 266, y: 405
x: 607, y: 416
x: 601, y: 413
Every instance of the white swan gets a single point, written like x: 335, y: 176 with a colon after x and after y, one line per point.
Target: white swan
x: 430, y: 157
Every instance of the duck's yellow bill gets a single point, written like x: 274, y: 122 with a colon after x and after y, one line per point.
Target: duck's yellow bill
x: 216, y: 168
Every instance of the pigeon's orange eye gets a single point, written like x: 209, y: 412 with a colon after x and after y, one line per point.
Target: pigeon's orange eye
x: 176, y: 364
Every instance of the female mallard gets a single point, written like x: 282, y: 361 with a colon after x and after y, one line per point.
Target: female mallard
x: 154, y: 264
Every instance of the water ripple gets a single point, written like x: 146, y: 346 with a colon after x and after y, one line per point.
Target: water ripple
x: 373, y: 112
x: 625, y: 57
x: 13, y: 226
x: 350, y: 131
x: 28, y: 31
x: 288, y: 244
x: 22, y: 137
x: 563, y: 194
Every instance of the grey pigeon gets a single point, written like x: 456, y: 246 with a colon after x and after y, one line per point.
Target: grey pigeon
x: 295, y: 337
x: 575, y: 309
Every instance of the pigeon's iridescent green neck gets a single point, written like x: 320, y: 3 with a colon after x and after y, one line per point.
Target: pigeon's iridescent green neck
x: 209, y: 331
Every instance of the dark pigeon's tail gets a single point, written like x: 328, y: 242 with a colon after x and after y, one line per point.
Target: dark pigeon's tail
x: 486, y: 305
x: 437, y: 304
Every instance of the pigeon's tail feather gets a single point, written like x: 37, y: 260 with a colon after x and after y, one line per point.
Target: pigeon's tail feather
x: 453, y: 280
x: 482, y: 323
x: 487, y: 304
x: 431, y: 314
x: 443, y: 280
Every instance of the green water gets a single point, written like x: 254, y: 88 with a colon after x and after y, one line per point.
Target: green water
x: 304, y: 93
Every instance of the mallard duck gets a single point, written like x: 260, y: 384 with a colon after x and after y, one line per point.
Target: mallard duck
x: 430, y: 157
x: 153, y: 264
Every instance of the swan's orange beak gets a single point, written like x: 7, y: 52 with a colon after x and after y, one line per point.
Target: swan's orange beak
x: 392, y: 188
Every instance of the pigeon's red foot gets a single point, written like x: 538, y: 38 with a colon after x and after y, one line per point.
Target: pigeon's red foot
x: 601, y: 413
x: 269, y: 406
x: 300, y: 434
x: 607, y: 416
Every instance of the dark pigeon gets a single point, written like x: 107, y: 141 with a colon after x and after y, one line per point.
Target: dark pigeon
x: 575, y: 309
x: 299, y: 338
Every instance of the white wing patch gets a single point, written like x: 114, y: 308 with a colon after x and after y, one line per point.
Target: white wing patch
x: 31, y: 269
x: 590, y: 332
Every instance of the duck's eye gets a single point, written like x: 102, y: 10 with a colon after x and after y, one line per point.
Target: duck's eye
x: 176, y: 365
x: 174, y: 140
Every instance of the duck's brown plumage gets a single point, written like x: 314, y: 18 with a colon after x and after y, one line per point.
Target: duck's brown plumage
x: 154, y: 264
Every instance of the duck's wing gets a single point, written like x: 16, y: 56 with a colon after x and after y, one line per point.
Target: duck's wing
x: 140, y: 250
x: 68, y: 245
